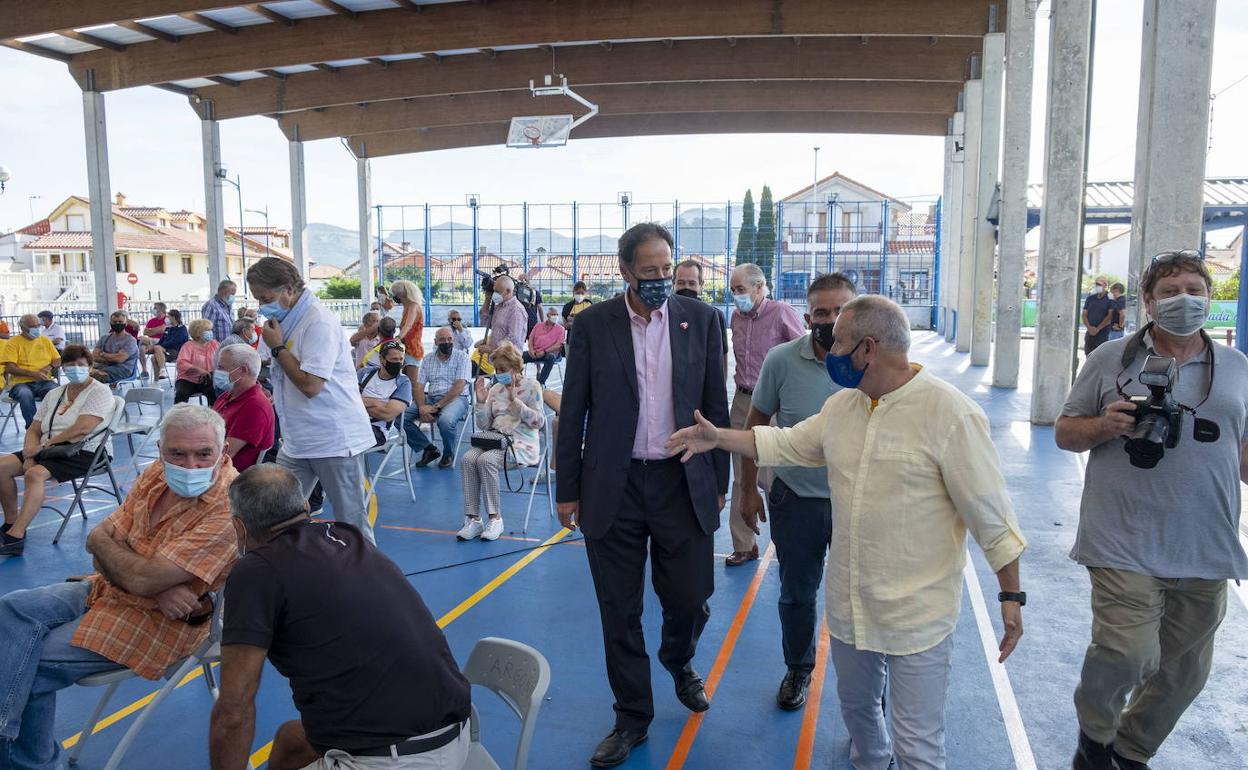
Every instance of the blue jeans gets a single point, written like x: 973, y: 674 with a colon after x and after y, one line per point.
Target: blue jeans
x: 547, y: 362
x: 448, y: 424
x: 27, y: 393
x: 801, y: 529
x: 36, y: 660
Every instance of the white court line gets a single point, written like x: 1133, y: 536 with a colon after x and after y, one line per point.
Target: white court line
x: 1014, y: 729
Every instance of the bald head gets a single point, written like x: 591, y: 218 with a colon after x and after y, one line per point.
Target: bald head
x: 28, y: 322
x: 264, y: 496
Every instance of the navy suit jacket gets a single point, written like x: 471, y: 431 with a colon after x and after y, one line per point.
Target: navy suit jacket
x: 600, y: 384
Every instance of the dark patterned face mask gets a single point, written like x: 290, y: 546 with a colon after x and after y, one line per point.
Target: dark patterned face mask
x: 654, y: 291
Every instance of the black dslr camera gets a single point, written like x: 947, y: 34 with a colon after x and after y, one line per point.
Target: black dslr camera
x: 1158, y: 417
x: 487, y: 279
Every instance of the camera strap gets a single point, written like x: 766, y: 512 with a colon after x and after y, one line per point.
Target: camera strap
x: 1205, y: 430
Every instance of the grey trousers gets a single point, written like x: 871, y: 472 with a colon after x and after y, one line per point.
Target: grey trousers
x: 743, y: 538
x: 916, y: 684
x: 342, y: 479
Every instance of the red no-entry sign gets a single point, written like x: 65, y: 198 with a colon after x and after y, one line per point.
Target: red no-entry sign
x: 132, y: 278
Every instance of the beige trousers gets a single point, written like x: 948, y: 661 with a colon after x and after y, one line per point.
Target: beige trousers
x: 1151, y: 638
x: 743, y: 538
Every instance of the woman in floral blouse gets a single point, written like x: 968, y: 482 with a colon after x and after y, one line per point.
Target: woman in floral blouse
x: 513, y: 405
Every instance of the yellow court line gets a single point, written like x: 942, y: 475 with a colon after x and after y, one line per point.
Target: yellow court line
x: 261, y: 754
x: 117, y: 716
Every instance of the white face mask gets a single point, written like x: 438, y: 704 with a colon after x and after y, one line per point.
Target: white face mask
x: 579, y: 297
x: 1183, y: 314
x: 499, y: 298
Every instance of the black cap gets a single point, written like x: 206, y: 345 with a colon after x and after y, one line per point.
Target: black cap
x: 45, y: 313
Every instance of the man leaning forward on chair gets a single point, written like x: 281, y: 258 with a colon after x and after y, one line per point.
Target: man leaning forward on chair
x: 310, y: 596
x: 156, y: 559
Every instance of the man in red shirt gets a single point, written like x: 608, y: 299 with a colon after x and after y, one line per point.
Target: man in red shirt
x: 243, y: 404
x: 150, y: 342
x: 546, y: 344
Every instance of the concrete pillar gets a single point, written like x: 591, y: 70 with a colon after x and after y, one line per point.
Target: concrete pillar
x: 364, y: 179
x: 1061, y: 215
x: 1012, y: 225
x: 946, y: 198
x: 989, y: 163
x: 970, y: 207
x: 214, y: 208
x: 952, y: 223
x: 1172, y: 134
x: 298, y: 208
x: 100, y: 193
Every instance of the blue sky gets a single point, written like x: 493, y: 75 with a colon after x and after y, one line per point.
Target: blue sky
x: 155, y: 146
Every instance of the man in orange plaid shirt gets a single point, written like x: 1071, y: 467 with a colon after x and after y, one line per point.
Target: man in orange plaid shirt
x: 157, y: 557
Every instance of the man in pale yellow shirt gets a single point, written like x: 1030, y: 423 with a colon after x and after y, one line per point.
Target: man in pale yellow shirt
x: 911, y: 469
x: 30, y: 361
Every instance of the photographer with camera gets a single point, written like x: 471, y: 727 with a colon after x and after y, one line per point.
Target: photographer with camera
x: 508, y: 318
x: 1159, y: 520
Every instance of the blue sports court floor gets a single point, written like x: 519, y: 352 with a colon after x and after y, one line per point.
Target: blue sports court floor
x: 1019, y: 715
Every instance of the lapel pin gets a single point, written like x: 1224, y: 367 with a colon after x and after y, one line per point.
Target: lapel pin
x: 684, y: 326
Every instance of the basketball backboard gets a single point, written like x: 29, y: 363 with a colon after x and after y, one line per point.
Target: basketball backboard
x: 533, y: 131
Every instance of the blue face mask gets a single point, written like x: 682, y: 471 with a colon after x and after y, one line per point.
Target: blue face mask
x: 188, y: 482
x: 654, y: 291
x: 35, y: 332
x: 274, y: 311
x: 503, y: 378
x: 841, y: 368
x: 745, y: 302
x: 77, y: 374
x: 229, y: 301
x: 221, y: 381
x: 207, y: 336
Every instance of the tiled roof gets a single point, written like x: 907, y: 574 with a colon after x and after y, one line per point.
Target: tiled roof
x: 42, y: 227
x: 142, y: 212
x: 164, y: 239
x: 319, y: 272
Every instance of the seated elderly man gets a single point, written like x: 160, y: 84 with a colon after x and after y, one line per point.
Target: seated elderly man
x: 308, y: 595
x: 156, y: 558
x: 243, y: 404
x: 30, y: 362
x: 243, y: 332
x: 441, y: 397
x: 385, y: 390
x: 117, y: 353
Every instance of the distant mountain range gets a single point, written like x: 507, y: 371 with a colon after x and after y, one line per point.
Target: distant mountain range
x: 701, y: 232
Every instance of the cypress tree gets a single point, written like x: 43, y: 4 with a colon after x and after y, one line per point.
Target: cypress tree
x: 745, y: 238
x: 765, y: 241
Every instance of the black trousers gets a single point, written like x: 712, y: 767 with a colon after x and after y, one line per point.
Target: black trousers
x: 656, y: 511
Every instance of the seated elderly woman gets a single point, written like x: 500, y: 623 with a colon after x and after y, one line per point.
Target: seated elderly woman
x: 243, y: 404
x: 196, y: 361
x: 71, y: 413
x: 512, y: 406
x: 157, y: 556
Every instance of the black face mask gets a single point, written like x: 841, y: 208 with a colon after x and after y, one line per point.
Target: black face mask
x: 822, y: 334
x: 394, y: 368
x: 690, y: 293
x: 445, y: 348
x: 117, y: 328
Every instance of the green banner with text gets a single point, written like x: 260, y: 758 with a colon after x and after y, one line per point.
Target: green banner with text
x: 1222, y: 314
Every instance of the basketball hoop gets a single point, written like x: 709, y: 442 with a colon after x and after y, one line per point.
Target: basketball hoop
x: 534, y: 131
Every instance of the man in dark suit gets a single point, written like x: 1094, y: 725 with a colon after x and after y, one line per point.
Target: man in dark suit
x: 638, y: 367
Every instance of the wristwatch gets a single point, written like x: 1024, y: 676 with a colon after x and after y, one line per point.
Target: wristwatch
x: 275, y: 350
x: 1010, y: 596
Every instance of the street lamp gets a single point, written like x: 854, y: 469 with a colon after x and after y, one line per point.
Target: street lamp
x: 237, y: 181
x: 265, y: 214
x: 30, y: 203
x: 626, y: 198
x: 5, y: 175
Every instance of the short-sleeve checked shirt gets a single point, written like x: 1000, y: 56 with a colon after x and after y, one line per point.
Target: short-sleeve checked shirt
x: 437, y: 376
x: 221, y: 316
x: 196, y: 534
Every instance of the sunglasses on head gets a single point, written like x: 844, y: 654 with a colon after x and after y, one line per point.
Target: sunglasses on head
x: 1174, y: 256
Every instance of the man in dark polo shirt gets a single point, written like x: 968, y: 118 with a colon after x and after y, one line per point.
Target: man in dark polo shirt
x: 243, y: 404
x: 1098, y: 315
x: 370, y: 671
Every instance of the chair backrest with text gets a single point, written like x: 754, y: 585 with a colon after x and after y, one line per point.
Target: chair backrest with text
x: 519, y: 675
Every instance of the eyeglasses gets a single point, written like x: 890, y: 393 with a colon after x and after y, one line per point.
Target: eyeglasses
x: 1174, y: 256
x: 386, y: 347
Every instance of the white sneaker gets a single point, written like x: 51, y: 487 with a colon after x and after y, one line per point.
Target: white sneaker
x: 493, y: 529
x: 471, y: 530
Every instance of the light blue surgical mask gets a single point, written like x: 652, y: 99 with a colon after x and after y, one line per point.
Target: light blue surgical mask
x: 499, y: 298
x: 35, y: 332
x: 274, y: 311
x: 745, y: 302
x: 503, y: 378
x: 229, y: 301
x: 221, y: 381
x: 207, y: 335
x: 77, y: 374
x: 188, y: 482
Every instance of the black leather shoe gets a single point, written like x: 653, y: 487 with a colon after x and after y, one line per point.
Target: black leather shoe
x: 792, y: 694
x: 1092, y: 755
x: 690, y: 690
x: 614, y: 749
x: 429, y: 455
x: 11, y: 546
x: 446, y: 461
x: 1122, y: 763
x: 737, y: 558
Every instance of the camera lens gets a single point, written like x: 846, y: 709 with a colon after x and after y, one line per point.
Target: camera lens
x: 1148, y: 441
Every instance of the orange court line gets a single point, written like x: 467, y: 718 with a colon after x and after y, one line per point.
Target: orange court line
x: 810, y: 719
x: 694, y: 723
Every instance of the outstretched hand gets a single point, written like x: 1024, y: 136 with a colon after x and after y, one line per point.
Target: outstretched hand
x: 700, y: 437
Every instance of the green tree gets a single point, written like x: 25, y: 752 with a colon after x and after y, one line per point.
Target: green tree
x: 414, y: 274
x: 765, y: 242
x: 341, y: 288
x: 1227, y: 289
x: 745, y: 238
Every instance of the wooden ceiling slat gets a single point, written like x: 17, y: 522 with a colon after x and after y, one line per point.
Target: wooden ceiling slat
x: 211, y: 23
x: 455, y: 26
x: 887, y: 59
x: 148, y: 29
x: 96, y: 40
x: 20, y: 18
x: 271, y: 14
x: 485, y: 134
x: 671, y: 98
x: 37, y: 50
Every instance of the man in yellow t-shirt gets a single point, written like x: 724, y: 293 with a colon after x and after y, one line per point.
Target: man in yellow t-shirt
x: 29, y: 361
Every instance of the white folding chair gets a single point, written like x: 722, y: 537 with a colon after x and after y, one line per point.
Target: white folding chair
x: 205, y: 656
x: 132, y: 381
x: 101, y: 462
x: 11, y: 414
x: 543, y: 476
x: 469, y: 425
x: 129, y: 429
x: 396, y: 441
x: 520, y: 676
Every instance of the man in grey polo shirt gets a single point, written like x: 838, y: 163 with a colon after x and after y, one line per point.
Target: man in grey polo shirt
x: 792, y: 385
x: 1159, y: 543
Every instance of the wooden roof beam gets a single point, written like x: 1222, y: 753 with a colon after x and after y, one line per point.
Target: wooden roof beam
x: 337, y: 8
x: 271, y: 14
x: 95, y: 40
x: 211, y: 23
x: 486, y: 134
x: 37, y: 50
x: 149, y: 30
x: 673, y: 98
x: 454, y: 26
x: 909, y: 59
x: 26, y: 19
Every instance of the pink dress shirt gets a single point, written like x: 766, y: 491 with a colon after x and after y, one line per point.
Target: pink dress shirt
x: 652, y: 355
x: 544, y: 338
x: 757, y: 332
